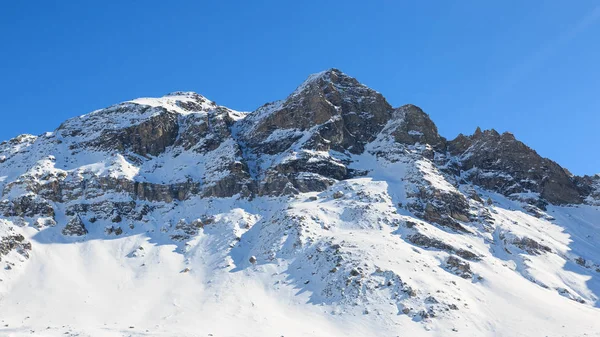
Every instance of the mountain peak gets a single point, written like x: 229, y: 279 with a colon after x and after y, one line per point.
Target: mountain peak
x: 186, y: 95
x: 182, y: 102
x: 342, y: 113
x: 183, y: 93
x: 330, y: 76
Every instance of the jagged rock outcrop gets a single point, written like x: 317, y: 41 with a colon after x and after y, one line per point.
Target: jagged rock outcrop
x: 443, y: 208
x: 424, y: 241
x: 590, y: 188
x: 459, y: 267
x: 339, y: 112
x: 329, y: 111
x: 501, y: 163
x: 151, y: 137
x: 26, y: 206
x: 524, y: 243
x: 75, y: 227
x: 113, y: 211
x: 416, y: 127
x: 14, y: 242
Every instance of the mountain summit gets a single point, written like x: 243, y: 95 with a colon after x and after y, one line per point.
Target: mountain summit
x: 327, y: 213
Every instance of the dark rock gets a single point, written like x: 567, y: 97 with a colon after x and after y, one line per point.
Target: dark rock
x: 590, y: 188
x: 530, y: 246
x: 459, y: 267
x: 14, y: 242
x: 441, y: 207
x: 431, y: 299
x: 190, y: 229
x: 410, y: 224
x: 151, y: 137
x: 416, y: 127
x: 234, y: 183
x: 506, y: 165
x: 330, y: 111
x: 27, y: 206
x: 465, y: 254
x: 346, y: 113
x: 75, y: 227
x: 427, y: 242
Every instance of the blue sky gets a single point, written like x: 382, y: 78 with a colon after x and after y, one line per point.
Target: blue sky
x: 529, y: 67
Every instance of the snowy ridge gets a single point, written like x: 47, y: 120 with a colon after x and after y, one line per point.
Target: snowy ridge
x: 312, y: 78
x: 329, y: 213
x: 181, y: 102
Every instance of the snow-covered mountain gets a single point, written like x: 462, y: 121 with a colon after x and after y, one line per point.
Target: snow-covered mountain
x: 328, y: 213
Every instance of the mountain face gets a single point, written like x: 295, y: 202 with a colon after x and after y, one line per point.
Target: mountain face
x: 328, y: 213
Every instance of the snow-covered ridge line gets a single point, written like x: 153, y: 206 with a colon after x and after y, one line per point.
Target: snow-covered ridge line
x: 328, y: 213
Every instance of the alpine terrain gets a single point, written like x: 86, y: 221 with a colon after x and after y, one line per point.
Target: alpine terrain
x: 328, y: 213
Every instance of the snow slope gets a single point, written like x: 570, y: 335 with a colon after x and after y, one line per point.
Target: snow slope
x: 111, y: 287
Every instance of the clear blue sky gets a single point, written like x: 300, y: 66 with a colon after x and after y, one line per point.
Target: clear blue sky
x: 529, y: 67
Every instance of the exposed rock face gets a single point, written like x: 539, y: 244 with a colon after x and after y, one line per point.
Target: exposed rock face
x: 531, y: 246
x: 526, y: 244
x: 346, y: 115
x: 205, y: 132
x: 503, y: 164
x: 97, y: 186
x: 75, y: 227
x: 424, y: 241
x: 27, y: 206
x: 14, y: 242
x: 151, y: 137
x: 590, y: 188
x: 416, y: 127
x: 445, y: 209
x: 114, y: 211
x: 329, y: 111
x: 459, y: 267
x: 594, y: 195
